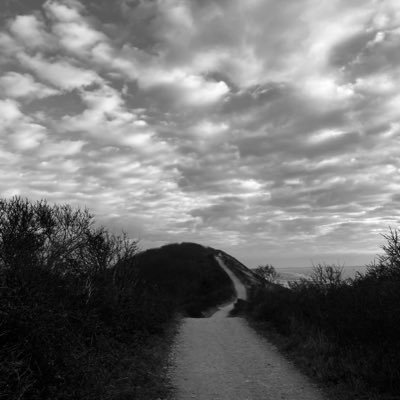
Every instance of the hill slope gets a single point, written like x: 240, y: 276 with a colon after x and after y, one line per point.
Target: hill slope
x: 248, y: 277
x: 188, y: 275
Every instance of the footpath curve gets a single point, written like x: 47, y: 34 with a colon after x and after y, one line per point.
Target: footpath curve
x: 222, y: 358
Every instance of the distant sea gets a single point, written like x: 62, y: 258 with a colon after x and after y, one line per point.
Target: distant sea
x: 290, y: 274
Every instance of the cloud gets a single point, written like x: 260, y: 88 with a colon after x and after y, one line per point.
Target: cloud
x: 183, y: 89
x: 74, y: 33
x: 206, y: 129
x: 20, y: 133
x: 63, y: 148
x: 65, y: 11
x: 31, y: 31
x: 107, y: 120
x: 8, y: 47
x: 222, y: 213
x: 9, y: 112
x: 195, y: 90
x: 77, y: 37
x: 27, y: 136
x: 252, y: 126
x: 61, y: 74
x: 16, y: 85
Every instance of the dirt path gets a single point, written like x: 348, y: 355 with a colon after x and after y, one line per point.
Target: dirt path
x: 222, y: 358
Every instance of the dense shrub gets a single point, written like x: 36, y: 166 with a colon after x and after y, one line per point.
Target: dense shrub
x: 83, y: 313
x: 354, y: 324
x: 70, y: 296
x: 266, y: 273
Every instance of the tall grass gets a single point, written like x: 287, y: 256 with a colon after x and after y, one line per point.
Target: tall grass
x: 345, y: 331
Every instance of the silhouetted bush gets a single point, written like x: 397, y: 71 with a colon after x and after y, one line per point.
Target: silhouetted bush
x: 266, y: 273
x: 70, y: 296
x: 347, y: 330
x: 80, y: 307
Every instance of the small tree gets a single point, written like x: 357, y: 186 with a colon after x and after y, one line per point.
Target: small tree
x: 267, y: 273
x: 327, y: 276
x: 387, y: 265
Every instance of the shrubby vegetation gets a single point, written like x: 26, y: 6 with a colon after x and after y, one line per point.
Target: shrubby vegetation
x: 188, y: 275
x: 267, y: 273
x: 85, y: 315
x: 81, y: 315
x: 344, y: 331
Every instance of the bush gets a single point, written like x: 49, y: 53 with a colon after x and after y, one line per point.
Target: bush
x: 70, y: 302
x: 79, y: 307
x: 266, y: 272
x: 359, y: 319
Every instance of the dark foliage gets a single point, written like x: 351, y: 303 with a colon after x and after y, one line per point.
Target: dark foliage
x: 68, y: 293
x: 80, y: 310
x: 266, y: 273
x: 188, y: 275
x: 343, y: 330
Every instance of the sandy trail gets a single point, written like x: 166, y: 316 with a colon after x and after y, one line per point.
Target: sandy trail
x: 222, y: 358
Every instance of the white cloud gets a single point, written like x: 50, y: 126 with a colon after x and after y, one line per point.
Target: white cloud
x: 325, y: 135
x: 74, y: 32
x: 258, y: 121
x: 31, y: 31
x: 206, y: 129
x: 77, y: 37
x: 63, y: 148
x: 249, y: 185
x: 197, y: 91
x: 9, y: 112
x: 107, y: 121
x: 103, y: 100
x: 175, y: 21
x: 66, y: 11
x: 18, y: 85
x: 59, y: 73
x: 8, y: 157
x: 386, y: 15
x: 7, y: 193
x: 8, y: 47
x: 184, y: 89
x: 27, y: 136
x: 378, y: 83
x: 393, y: 108
x: 104, y: 110
x: 325, y: 88
x: 18, y: 130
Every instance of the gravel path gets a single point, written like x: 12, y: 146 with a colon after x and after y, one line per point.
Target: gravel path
x: 222, y: 358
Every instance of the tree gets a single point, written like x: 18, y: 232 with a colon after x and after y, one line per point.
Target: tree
x: 387, y: 266
x: 267, y: 273
x: 327, y: 276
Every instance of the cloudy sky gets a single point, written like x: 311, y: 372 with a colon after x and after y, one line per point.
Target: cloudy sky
x: 267, y: 128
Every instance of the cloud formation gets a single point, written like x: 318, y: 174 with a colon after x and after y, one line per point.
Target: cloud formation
x: 15, y: 85
x: 252, y: 126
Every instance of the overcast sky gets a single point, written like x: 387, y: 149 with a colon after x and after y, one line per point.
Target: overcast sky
x: 267, y: 128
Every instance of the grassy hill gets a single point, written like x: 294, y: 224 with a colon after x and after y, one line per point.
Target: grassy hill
x: 83, y: 313
x: 186, y: 274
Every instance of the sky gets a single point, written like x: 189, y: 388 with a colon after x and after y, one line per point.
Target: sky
x: 269, y: 129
